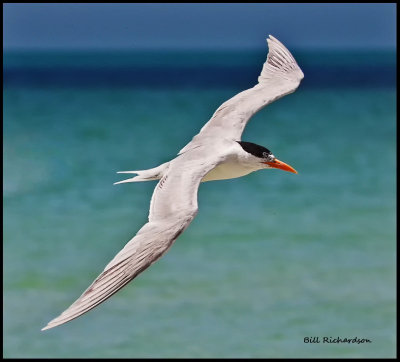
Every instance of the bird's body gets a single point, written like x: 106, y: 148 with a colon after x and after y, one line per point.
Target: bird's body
x: 228, y: 170
x: 215, y: 153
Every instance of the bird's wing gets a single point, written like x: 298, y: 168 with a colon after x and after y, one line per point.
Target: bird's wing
x: 280, y: 76
x: 173, y: 207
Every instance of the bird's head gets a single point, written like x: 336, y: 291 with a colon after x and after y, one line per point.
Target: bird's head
x: 265, y: 157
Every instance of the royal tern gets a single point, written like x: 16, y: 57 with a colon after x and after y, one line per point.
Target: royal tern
x: 215, y: 153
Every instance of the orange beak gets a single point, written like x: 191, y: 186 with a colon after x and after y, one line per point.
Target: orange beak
x: 281, y: 165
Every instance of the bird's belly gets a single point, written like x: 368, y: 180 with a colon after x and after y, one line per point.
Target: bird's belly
x: 227, y: 171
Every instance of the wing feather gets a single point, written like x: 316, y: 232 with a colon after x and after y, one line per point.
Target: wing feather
x: 280, y: 76
x: 173, y: 207
x: 138, y: 254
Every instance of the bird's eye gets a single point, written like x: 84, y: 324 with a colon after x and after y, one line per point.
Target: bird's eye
x: 269, y: 156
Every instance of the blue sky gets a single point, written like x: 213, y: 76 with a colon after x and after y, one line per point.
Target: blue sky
x: 219, y: 26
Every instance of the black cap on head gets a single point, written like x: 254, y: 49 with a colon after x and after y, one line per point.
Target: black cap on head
x: 255, y: 150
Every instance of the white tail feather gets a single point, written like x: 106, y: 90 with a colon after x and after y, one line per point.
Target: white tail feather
x: 128, y: 180
x: 145, y: 175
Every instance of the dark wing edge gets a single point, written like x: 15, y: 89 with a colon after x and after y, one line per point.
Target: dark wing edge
x: 148, y: 245
x: 173, y: 207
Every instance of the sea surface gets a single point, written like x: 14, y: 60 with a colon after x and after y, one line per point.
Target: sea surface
x: 270, y: 259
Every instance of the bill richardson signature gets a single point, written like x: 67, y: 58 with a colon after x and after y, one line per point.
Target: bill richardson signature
x: 337, y: 340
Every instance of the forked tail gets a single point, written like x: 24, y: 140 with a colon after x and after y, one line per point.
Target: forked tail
x: 145, y: 175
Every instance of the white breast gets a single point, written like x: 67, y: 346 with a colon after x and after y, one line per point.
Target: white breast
x: 228, y: 170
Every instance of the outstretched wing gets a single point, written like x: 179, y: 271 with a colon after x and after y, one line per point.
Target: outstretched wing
x: 280, y: 76
x: 173, y: 207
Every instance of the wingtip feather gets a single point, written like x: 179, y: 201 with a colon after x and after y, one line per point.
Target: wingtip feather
x: 280, y: 63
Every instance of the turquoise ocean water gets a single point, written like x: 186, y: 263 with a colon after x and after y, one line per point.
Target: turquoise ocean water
x: 270, y: 259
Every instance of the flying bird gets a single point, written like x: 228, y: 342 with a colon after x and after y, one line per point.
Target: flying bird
x: 215, y: 153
